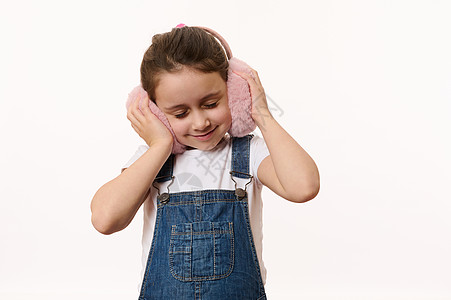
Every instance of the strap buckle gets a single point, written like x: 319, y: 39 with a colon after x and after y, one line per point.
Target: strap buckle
x: 239, y: 192
x: 163, y: 198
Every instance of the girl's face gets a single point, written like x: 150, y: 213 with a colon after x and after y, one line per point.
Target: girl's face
x: 196, y: 106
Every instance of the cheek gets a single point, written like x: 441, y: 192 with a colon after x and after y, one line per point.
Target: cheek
x: 223, y: 115
x: 178, y: 126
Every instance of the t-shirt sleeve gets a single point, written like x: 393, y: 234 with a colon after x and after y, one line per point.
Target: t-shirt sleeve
x: 140, y: 151
x: 259, y: 151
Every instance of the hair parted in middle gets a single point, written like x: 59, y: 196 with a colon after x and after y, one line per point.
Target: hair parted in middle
x: 186, y: 46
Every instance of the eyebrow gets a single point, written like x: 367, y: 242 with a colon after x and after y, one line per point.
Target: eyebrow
x: 210, y: 95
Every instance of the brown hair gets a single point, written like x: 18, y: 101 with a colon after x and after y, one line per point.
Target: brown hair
x: 186, y: 46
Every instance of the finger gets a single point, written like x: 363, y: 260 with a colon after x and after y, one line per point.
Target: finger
x: 145, y: 108
x: 132, y: 118
x: 251, y: 82
x: 137, y: 104
x: 259, y: 90
x: 257, y: 78
x: 130, y: 107
x: 253, y: 86
x: 243, y: 75
x: 134, y: 114
x: 135, y: 128
x: 133, y: 106
x: 137, y: 111
x: 253, y: 76
x: 145, y: 112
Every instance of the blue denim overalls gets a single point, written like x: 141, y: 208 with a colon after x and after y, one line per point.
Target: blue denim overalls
x: 202, y: 246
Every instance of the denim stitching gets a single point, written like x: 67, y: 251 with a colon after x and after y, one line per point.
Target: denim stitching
x: 202, y: 192
x: 174, y: 197
x: 251, y: 240
x: 204, y: 232
x: 197, y: 293
x: 149, y: 259
x: 213, y: 277
x: 241, y: 163
x: 207, y: 202
x: 214, y: 249
x: 191, y: 251
x: 200, y: 208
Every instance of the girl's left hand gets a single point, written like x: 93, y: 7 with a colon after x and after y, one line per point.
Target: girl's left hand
x: 260, y: 110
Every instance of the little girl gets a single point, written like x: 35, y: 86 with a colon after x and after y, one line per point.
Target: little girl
x: 202, y: 235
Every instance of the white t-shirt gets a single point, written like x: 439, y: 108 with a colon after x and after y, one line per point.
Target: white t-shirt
x: 199, y: 170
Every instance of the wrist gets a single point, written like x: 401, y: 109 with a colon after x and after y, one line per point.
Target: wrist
x: 161, y: 145
x: 262, y: 117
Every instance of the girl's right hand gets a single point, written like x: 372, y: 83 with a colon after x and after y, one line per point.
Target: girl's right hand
x: 147, y: 125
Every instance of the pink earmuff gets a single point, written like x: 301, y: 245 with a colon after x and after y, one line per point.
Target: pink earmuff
x: 239, y: 97
x: 139, y: 92
x: 240, y: 100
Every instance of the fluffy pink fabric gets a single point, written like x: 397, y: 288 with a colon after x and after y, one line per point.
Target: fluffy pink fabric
x: 240, y: 100
x: 139, y: 92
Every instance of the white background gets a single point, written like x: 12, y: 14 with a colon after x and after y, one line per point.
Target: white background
x: 364, y: 86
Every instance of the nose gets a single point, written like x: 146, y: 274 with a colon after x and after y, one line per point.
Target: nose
x: 200, y: 121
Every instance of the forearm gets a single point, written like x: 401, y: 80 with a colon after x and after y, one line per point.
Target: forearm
x: 290, y: 171
x: 116, y: 202
x: 289, y: 158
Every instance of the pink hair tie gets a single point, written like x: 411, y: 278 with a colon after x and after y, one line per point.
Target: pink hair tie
x: 180, y: 25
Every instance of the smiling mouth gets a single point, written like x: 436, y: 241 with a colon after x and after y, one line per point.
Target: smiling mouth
x: 205, y: 134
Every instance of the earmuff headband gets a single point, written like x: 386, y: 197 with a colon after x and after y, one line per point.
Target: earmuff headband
x: 221, y: 39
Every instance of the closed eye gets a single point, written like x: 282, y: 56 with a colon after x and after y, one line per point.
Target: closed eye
x: 185, y: 113
x: 181, y: 115
x: 211, y: 105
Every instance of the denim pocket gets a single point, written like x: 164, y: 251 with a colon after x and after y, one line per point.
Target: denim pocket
x: 201, y: 250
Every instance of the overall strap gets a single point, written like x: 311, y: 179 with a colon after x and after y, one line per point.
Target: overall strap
x: 240, y: 156
x: 165, y: 172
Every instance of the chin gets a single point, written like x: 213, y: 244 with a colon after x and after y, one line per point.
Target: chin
x: 205, y: 146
